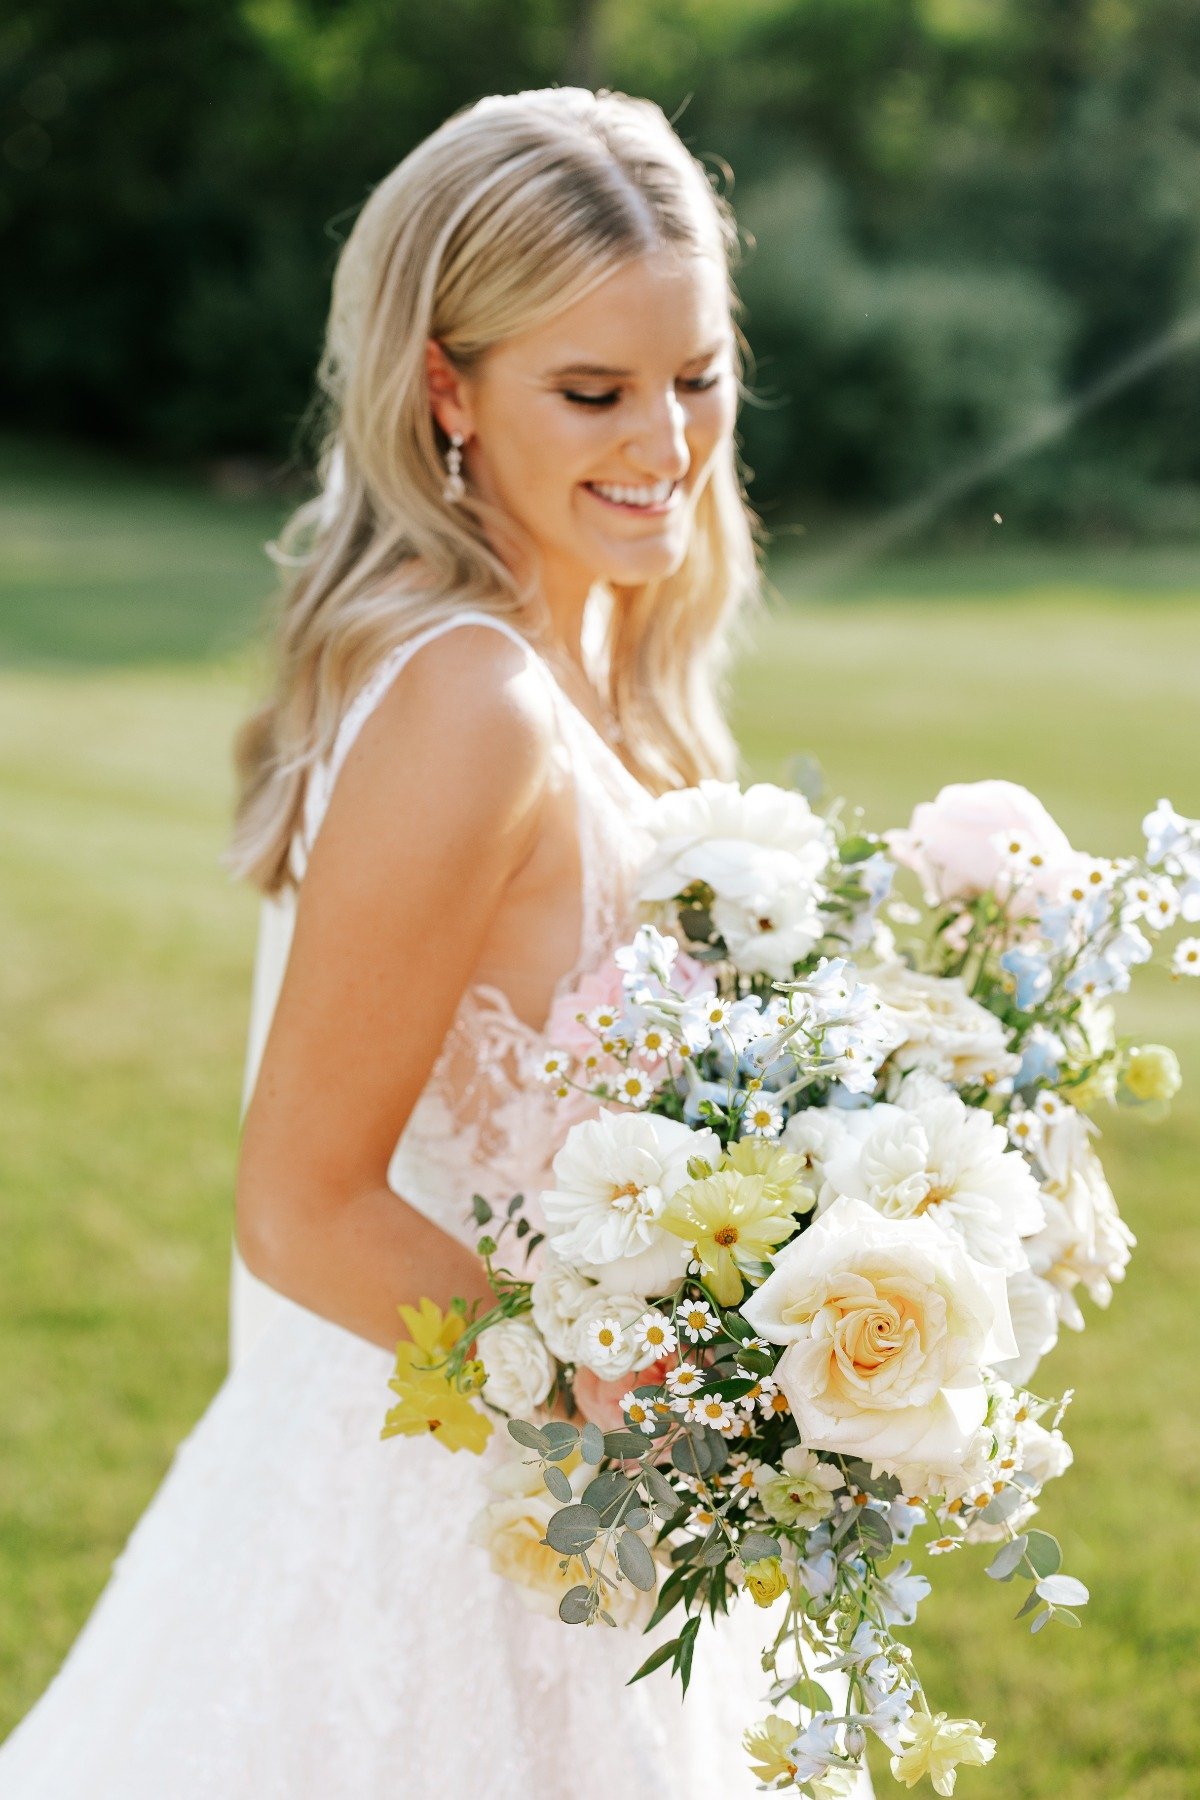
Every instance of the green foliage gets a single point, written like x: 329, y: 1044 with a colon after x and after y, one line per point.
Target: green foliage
x: 956, y: 219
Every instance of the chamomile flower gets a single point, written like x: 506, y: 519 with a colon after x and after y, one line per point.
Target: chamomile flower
x: 1025, y: 1128
x: 701, y: 1518
x: 1048, y: 1107
x: 1186, y: 960
x: 553, y: 1066
x: 632, y: 1088
x: 652, y: 1043
x: 943, y: 1545
x: 761, y: 1397
x: 604, y: 1020
x: 655, y: 1336
x: 738, y: 1479
x: 637, y: 1413
x: 717, y: 1414
x: 762, y: 1117
x: 605, y: 1341
x: 682, y: 1382
x: 698, y: 1320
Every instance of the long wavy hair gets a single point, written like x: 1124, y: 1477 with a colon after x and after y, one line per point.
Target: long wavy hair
x: 516, y: 207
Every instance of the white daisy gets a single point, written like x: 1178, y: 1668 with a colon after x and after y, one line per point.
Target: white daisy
x: 637, y: 1413
x: 698, y: 1320
x: 682, y: 1382
x: 717, y: 1414
x: 943, y: 1545
x: 656, y: 1336
x: 763, y: 1117
x: 701, y: 1519
x: 605, y: 1341
x: 553, y: 1066
x: 652, y: 1043
x: 632, y: 1088
x: 604, y: 1020
x: 1186, y: 960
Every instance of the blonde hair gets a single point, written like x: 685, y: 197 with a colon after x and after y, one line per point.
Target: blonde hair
x: 516, y: 207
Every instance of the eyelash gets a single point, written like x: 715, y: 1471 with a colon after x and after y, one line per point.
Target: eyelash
x: 698, y: 385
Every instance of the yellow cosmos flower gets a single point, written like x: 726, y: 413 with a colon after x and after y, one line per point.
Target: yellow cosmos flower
x: 731, y: 1219
x: 782, y: 1171
x: 768, y: 1745
x: 428, y: 1400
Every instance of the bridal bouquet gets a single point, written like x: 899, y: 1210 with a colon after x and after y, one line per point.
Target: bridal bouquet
x: 827, y: 1192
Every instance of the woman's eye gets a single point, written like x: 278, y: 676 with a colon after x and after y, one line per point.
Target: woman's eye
x: 695, y: 384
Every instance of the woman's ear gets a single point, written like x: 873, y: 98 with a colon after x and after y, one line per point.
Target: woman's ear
x: 447, y: 392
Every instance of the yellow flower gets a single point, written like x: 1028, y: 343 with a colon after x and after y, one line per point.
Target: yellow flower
x: 1151, y: 1072
x: 768, y: 1744
x: 937, y: 1745
x: 766, y: 1581
x: 731, y: 1219
x: 782, y: 1170
x: 429, y: 1400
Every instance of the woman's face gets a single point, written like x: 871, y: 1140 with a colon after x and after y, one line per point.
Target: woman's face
x: 598, y: 430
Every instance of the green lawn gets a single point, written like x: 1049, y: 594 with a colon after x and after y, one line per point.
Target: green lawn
x: 125, y: 606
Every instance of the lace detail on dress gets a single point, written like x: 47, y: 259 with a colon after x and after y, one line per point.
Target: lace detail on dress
x: 483, y: 1122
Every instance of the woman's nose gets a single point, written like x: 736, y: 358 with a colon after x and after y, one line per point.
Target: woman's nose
x: 659, y: 443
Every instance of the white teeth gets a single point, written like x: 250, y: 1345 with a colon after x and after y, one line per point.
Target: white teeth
x: 658, y: 495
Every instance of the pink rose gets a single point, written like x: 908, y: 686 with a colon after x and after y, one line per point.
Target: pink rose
x: 955, y: 844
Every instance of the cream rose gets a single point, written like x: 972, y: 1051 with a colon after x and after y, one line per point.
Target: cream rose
x: 519, y: 1367
x: 888, y: 1325
x: 951, y: 842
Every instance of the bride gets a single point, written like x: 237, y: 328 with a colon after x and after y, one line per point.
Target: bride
x: 506, y: 617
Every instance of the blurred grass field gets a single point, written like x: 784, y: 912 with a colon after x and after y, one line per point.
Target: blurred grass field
x: 126, y: 607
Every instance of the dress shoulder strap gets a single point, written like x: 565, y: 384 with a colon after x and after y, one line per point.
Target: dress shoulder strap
x: 322, y: 776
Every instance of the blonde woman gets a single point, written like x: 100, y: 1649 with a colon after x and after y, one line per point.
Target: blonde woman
x: 506, y: 619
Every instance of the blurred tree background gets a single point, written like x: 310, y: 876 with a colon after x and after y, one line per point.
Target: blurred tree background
x: 974, y: 225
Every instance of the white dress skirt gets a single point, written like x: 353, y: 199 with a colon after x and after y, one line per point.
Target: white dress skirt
x: 303, y: 1611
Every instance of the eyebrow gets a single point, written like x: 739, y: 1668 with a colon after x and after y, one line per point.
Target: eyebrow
x: 585, y: 368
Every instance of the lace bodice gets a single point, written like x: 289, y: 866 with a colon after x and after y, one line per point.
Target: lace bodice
x: 484, y: 1122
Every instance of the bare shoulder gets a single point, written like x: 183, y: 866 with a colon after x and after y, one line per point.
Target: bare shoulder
x: 460, y: 741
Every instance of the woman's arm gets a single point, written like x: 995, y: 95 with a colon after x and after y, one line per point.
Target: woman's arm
x: 437, y: 806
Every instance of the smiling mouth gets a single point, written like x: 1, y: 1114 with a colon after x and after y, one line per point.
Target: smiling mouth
x: 657, y: 498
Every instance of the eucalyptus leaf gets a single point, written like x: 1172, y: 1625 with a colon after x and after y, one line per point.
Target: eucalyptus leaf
x: 714, y: 1550
x: 718, y: 1451
x: 526, y: 1434
x: 1031, y: 1602
x: 660, y: 1488
x: 1006, y: 1501
x: 1043, y: 1618
x: 572, y: 1529
x: 575, y: 1605
x: 559, y: 1452
x: 874, y: 1531
x: 1063, y: 1590
x: 638, y: 1517
x: 624, y: 1445
x: 591, y: 1443
x: 557, y: 1482
x: 1066, y: 1617
x: 1007, y: 1559
x: 636, y: 1561
x: 607, y: 1492
x: 690, y: 1455
x: 1043, y: 1553
x: 560, y: 1431
x: 756, y: 1546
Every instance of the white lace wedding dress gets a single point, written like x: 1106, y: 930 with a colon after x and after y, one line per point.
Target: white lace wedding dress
x: 300, y: 1613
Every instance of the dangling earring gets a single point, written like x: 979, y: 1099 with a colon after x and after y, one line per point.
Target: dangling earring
x: 455, y: 486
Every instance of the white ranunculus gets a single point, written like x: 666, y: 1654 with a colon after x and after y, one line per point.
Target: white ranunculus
x: 519, y: 1367
x: 1033, y: 1308
x: 929, y: 1154
x: 559, y: 1295
x: 1084, y: 1238
x: 613, y: 1178
x: 627, y: 1309
x: 814, y: 1133
x: 711, y: 833
x: 946, y: 1030
x: 888, y: 1325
